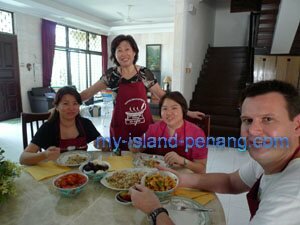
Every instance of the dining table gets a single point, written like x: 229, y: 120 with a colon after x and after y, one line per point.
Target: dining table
x: 39, y: 203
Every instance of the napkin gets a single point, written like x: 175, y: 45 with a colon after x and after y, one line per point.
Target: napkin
x: 45, y: 170
x: 200, y: 196
x: 119, y: 162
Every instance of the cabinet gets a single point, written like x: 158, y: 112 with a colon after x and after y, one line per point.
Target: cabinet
x: 285, y: 68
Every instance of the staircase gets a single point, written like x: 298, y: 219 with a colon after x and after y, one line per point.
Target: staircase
x: 222, y: 78
x: 266, y: 26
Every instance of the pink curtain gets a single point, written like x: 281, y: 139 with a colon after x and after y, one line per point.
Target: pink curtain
x: 104, y: 53
x: 48, y: 44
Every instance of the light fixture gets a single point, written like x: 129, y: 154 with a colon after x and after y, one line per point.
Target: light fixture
x: 167, y: 80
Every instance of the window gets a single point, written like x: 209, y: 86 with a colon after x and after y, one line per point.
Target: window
x: 77, y: 58
x: 6, y: 22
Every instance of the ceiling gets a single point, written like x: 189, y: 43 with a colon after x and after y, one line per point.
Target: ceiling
x: 98, y: 14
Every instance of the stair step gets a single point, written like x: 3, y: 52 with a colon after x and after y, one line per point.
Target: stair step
x: 240, y: 57
x: 230, y: 83
x: 266, y: 29
x: 266, y: 25
x: 217, y: 110
x: 269, y: 6
x: 271, y: 11
x: 270, y: 1
x: 229, y: 121
x: 265, y: 37
x: 224, y: 131
x: 227, y: 49
x: 267, y: 21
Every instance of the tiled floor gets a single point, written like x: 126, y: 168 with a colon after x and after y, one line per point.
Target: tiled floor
x: 219, y: 160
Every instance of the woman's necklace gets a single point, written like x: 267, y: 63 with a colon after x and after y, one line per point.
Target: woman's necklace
x: 128, y: 74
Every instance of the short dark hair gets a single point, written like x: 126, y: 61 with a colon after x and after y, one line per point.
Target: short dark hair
x: 64, y: 91
x: 116, y: 42
x: 177, y: 97
x: 59, y: 95
x: 288, y: 91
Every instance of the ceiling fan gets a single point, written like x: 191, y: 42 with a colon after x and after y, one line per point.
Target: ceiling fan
x: 128, y: 19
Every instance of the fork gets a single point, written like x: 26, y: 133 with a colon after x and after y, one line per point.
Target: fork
x: 184, y: 208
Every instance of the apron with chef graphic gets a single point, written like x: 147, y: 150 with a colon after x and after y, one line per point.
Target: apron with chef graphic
x: 131, y: 115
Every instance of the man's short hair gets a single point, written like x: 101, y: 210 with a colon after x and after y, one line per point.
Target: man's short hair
x: 288, y: 91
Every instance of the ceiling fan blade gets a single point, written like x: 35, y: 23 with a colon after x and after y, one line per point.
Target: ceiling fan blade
x: 122, y: 15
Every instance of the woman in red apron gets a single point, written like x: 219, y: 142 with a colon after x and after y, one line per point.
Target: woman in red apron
x: 176, y: 132
x: 65, y: 130
x: 129, y: 82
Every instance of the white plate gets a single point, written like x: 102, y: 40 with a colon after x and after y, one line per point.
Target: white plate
x: 109, y: 174
x: 62, y: 159
x: 180, y: 217
x: 140, y: 158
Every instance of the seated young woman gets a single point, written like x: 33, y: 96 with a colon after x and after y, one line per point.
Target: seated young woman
x: 173, y: 109
x: 64, y: 128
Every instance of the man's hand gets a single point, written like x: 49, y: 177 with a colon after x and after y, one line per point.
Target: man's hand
x: 143, y: 198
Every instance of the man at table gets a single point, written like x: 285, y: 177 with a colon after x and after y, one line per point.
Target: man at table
x: 269, y: 109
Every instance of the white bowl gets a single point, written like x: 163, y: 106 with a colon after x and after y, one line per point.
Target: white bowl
x: 99, y: 174
x: 71, y: 191
x: 162, y: 195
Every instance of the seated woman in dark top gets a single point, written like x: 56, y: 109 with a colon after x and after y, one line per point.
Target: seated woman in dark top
x: 65, y: 128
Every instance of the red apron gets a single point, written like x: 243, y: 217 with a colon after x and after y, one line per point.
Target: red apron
x: 180, y: 149
x: 131, y: 115
x: 79, y: 143
x: 252, y: 196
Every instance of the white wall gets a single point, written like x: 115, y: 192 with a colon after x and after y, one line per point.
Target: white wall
x: 192, y: 37
x: 166, y: 39
x: 28, y: 31
x: 231, y: 29
x: 286, y: 26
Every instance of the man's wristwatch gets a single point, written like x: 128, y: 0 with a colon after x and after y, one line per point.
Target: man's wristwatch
x: 152, y: 216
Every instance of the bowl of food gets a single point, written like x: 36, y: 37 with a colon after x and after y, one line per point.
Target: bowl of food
x: 163, y: 183
x: 70, y: 184
x: 123, y: 197
x: 95, y: 169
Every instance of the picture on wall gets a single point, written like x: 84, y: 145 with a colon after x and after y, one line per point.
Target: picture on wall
x: 153, y: 57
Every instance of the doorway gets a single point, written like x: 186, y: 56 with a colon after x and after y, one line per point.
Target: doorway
x: 10, y: 94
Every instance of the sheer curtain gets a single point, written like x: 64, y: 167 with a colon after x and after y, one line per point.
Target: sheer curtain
x: 104, y: 53
x: 48, y: 44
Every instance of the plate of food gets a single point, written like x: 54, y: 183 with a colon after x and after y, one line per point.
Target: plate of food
x: 122, y: 180
x: 73, y: 158
x: 148, y: 160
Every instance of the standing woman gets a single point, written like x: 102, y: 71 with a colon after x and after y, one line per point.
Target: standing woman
x: 129, y: 83
x: 65, y: 128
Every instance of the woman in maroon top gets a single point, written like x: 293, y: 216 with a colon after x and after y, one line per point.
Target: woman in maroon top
x: 129, y: 83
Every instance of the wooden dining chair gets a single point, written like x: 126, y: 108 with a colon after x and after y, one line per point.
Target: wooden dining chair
x: 32, y: 122
x: 204, y: 124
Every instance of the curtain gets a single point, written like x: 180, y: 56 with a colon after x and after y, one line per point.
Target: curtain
x: 104, y: 53
x: 48, y: 44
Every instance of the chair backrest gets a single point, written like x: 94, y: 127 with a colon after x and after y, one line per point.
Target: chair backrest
x: 204, y: 124
x: 32, y: 122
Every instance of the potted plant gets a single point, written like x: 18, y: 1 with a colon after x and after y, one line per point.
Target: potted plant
x: 8, y: 171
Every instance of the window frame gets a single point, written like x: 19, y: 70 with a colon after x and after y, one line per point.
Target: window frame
x: 12, y: 22
x: 88, y: 54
